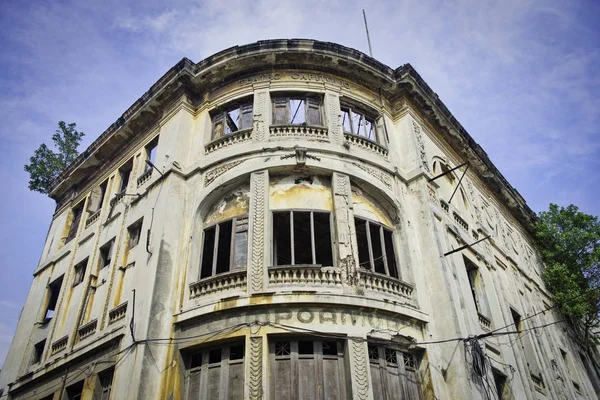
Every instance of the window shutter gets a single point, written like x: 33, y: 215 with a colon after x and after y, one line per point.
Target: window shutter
x: 218, y: 126
x: 280, y: 113
x: 95, y: 200
x: 193, y: 384
x: 313, y: 111
x: 246, y: 117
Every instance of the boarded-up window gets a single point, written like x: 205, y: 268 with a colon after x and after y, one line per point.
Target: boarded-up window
x: 225, y: 247
x: 394, y: 374
x: 375, y: 247
x: 297, y: 110
x: 302, y: 237
x: 308, y: 369
x: 216, y: 374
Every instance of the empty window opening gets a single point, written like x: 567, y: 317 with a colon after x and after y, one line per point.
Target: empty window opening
x: 393, y: 373
x: 106, y: 253
x: 53, y: 292
x: 473, y: 272
x: 124, y: 174
x: 74, y: 391
x: 375, y: 247
x: 516, y: 320
x: 106, y: 381
x: 79, y: 272
x: 38, y: 351
x: 297, y: 110
x: 358, y: 123
x: 302, y: 237
x: 216, y: 373
x: 151, y: 152
x: 233, y: 119
x: 308, y: 369
x: 76, y: 214
x: 500, y: 384
x: 134, y: 232
x: 225, y: 247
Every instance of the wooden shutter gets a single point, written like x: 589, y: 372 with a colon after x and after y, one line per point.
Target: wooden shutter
x: 245, y: 117
x: 95, y: 200
x: 280, y: 111
x: 313, y: 111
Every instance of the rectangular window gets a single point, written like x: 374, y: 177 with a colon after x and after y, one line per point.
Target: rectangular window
x: 134, y: 232
x: 124, y: 174
x: 97, y: 197
x: 308, y: 369
x: 106, y: 253
x: 393, y: 373
x: 376, y: 247
x: 106, y: 380
x: 80, y: 272
x: 74, y: 391
x: 500, y: 384
x: 38, y: 351
x: 233, y: 119
x: 77, y: 211
x: 216, y: 373
x: 53, y: 292
x: 297, y: 110
x: 302, y: 237
x: 151, y: 152
x: 358, y: 123
x: 225, y: 247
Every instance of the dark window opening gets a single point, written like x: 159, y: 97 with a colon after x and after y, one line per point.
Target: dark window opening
x: 234, y: 119
x: 297, y: 110
x: 516, y: 319
x: 225, y: 247
x: 106, y: 381
x: 79, y: 272
x: 358, y: 123
x: 77, y: 212
x: 134, y: 232
x: 53, y: 292
x: 106, y: 254
x: 125, y: 173
x: 38, y: 351
x: 305, y: 347
x: 74, y: 391
x: 499, y: 383
x: 376, y: 248
x: 151, y: 152
x: 302, y: 237
x: 472, y: 273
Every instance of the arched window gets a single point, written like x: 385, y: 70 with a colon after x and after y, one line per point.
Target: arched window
x: 225, y: 236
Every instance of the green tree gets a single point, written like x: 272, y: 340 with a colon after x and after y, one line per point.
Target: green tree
x: 45, y: 165
x: 569, y: 242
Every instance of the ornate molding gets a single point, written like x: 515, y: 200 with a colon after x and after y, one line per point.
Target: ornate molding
x: 360, y: 364
x: 255, y: 366
x: 420, y: 145
x: 260, y: 113
x: 257, y: 211
x: 220, y: 170
x: 383, y: 177
x: 333, y: 105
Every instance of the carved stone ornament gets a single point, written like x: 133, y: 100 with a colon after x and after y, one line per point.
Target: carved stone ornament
x: 260, y: 114
x: 218, y: 171
x: 257, y: 211
x: 380, y: 175
x: 360, y: 364
x: 301, y: 154
x: 421, y: 145
x: 256, y: 367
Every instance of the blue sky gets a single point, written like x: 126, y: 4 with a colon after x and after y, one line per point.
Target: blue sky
x: 520, y: 75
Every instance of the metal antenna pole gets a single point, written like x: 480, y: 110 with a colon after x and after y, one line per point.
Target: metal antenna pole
x: 368, y: 37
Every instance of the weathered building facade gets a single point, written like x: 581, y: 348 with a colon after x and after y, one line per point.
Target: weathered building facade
x: 274, y: 222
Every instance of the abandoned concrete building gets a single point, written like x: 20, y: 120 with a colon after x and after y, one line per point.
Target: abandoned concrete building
x: 290, y: 219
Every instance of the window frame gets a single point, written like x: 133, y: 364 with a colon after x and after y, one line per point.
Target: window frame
x: 221, y: 115
x: 349, y: 109
x: 53, y: 294
x: 79, y: 270
x: 292, y: 244
x: 38, y: 352
x: 239, y: 224
x: 77, y: 211
x: 150, y: 150
x: 382, y: 230
x: 279, y: 99
x: 383, y: 361
x: 125, y: 172
x: 106, y: 254
x: 134, y: 233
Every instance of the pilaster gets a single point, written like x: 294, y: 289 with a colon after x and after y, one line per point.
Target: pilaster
x: 257, y: 242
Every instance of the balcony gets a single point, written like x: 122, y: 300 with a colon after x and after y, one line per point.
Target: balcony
x: 87, y: 329
x: 118, y: 197
x: 60, y: 344
x: 228, y: 140
x: 219, y: 283
x: 354, y: 140
x: 298, y: 131
x: 92, y: 218
x: 117, y: 313
x: 305, y: 275
x: 484, y: 322
x: 145, y: 177
x: 385, y: 284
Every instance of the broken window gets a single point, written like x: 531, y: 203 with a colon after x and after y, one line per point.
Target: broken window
x: 375, y: 247
x: 52, y: 298
x: 79, y: 272
x: 297, y: 110
x: 500, y: 384
x: 105, y: 387
x: 151, y: 153
x: 76, y: 214
x: 302, y: 237
x: 225, y: 247
x: 233, y: 119
x: 74, y: 391
x: 358, y: 123
x: 124, y: 174
x: 106, y: 253
x: 216, y: 373
x: 308, y: 369
x: 134, y: 231
x: 97, y: 197
x: 476, y: 287
x: 38, y: 351
x: 393, y: 373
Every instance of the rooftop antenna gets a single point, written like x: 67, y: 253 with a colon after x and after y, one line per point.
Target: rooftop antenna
x: 367, y: 29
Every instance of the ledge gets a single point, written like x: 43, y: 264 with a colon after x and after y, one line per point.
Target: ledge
x: 223, y: 282
x: 382, y: 283
x: 298, y: 131
x: 228, y: 140
x: 365, y: 144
